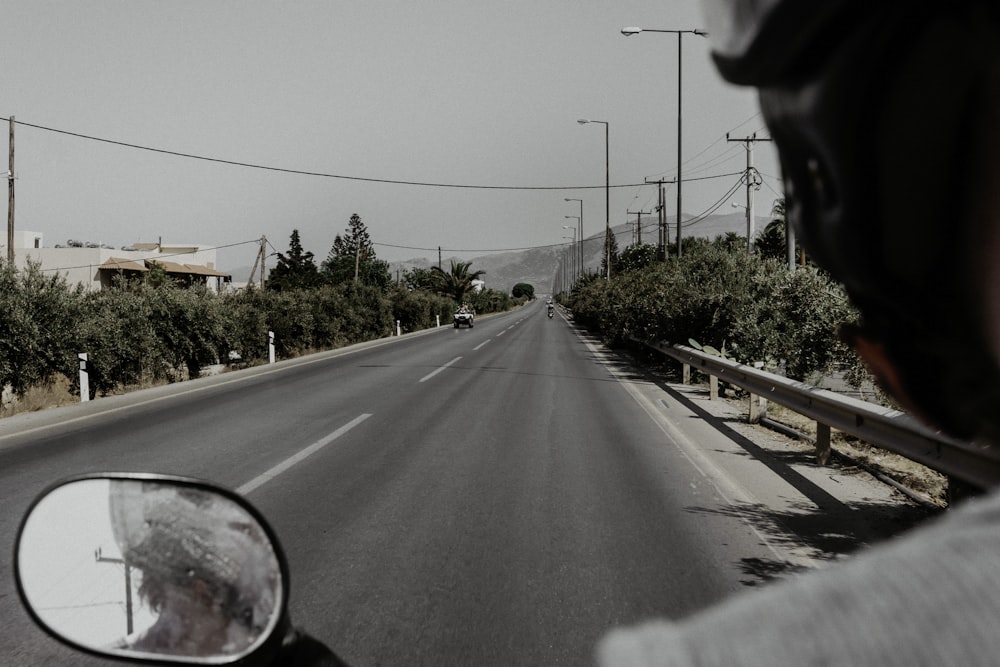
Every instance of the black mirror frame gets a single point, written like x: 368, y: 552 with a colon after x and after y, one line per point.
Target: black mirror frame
x: 265, y: 651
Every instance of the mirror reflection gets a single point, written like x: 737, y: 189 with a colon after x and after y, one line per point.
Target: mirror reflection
x: 130, y: 566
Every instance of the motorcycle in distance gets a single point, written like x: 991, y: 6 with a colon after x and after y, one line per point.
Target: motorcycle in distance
x: 551, y: 311
x: 205, y: 579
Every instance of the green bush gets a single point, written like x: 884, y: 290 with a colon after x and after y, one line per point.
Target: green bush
x: 718, y: 295
x: 37, y: 314
x: 142, y: 332
x: 419, y: 309
x: 523, y: 290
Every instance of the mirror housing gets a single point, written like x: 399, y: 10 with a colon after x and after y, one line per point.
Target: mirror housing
x: 153, y: 568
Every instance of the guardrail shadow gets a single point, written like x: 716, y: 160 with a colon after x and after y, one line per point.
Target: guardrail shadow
x: 821, y: 527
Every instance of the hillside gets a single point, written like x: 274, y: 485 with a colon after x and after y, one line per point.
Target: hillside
x: 538, y: 266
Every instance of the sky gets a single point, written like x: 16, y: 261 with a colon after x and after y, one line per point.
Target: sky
x: 237, y: 120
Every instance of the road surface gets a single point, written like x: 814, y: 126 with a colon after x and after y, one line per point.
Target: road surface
x: 496, y: 495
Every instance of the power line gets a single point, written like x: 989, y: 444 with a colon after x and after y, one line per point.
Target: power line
x: 319, y: 174
x: 435, y: 248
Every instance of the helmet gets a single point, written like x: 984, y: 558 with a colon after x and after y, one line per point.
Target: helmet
x: 883, y: 115
x: 182, y: 536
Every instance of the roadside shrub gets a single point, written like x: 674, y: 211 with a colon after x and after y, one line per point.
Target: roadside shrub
x: 188, y: 324
x: 37, y: 314
x: 419, y: 309
x: 716, y: 294
x: 115, y: 329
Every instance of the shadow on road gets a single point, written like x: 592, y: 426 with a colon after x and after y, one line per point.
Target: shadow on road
x: 822, y: 526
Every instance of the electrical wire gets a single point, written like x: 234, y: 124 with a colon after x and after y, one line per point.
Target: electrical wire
x: 303, y: 172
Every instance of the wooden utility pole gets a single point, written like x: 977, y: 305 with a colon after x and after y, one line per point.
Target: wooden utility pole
x: 752, y: 179
x: 357, y: 259
x: 10, y: 198
x: 661, y: 209
x: 263, y: 256
x: 638, y: 223
x: 259, y: 261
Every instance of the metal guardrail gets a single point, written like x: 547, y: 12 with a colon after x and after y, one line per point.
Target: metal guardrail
x: 971, y: 463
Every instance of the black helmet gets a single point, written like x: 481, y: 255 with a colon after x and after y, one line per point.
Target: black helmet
x: 885, y: 119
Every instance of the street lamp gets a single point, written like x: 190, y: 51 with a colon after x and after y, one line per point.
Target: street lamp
x: 607, y: 190
x: 628, y: 32
x: 572, y: 228
x: 579, y: 265
x: 577, y: 254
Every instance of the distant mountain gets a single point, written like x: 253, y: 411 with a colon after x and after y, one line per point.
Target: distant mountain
x: 538, y: 266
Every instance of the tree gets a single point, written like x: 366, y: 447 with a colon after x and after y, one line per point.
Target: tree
x: 770, y: 244
x: 352, y: 259
x: 456, y: 283
x: 523, y: 290
x: 355, y: 242
x: 638, y: 256
x: 295, y: 270
x: 418, y: 278
x: 38, y: 312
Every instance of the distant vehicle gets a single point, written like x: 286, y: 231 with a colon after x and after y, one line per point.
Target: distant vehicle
x: 464, y: 316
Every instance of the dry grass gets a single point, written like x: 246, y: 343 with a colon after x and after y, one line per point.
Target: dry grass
x: 39, y: 398
x: 910, y: 474
x: 56, y: 394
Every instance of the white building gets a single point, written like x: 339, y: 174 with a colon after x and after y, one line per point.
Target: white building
x: 95, y: 265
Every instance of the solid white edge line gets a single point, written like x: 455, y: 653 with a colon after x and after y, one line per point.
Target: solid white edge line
x: 438, y: 370
x: 295, y: 458
x: 731, y: 490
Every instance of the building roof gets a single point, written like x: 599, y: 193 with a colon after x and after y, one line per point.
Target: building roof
x: 117, y: 264
x: 187, y: 269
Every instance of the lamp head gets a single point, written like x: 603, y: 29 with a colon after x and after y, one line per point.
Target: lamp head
x: 631, y: 30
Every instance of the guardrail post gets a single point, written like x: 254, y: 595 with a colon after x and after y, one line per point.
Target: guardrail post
x: 84, y: 377
x: 753, y: 415
x: 822, y: 443
x: 713, y: 387
x: 685, y: 373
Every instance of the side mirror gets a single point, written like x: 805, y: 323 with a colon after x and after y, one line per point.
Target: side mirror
x: 152, y: 568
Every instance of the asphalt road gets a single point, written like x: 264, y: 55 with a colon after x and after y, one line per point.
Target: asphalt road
x: 494, y: 495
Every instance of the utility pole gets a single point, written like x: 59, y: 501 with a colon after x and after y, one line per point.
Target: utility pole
x: 439, y: 258
x: 10, y: 198
x: 263, y: 256
x: 101, y: 558
x: 357, y: 260
x: 259, y: 261
x: 753, y: 180
x: 661, y: 208
x: 638, y: 223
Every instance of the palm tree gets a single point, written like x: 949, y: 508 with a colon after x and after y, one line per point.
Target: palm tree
x: 455, y: 283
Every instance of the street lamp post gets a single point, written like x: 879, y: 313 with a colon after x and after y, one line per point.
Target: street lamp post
x: 628, y: 32
x: 579, y: 236
x: 577, y: 255
x: 573, y: 267
x: 607, y: 190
